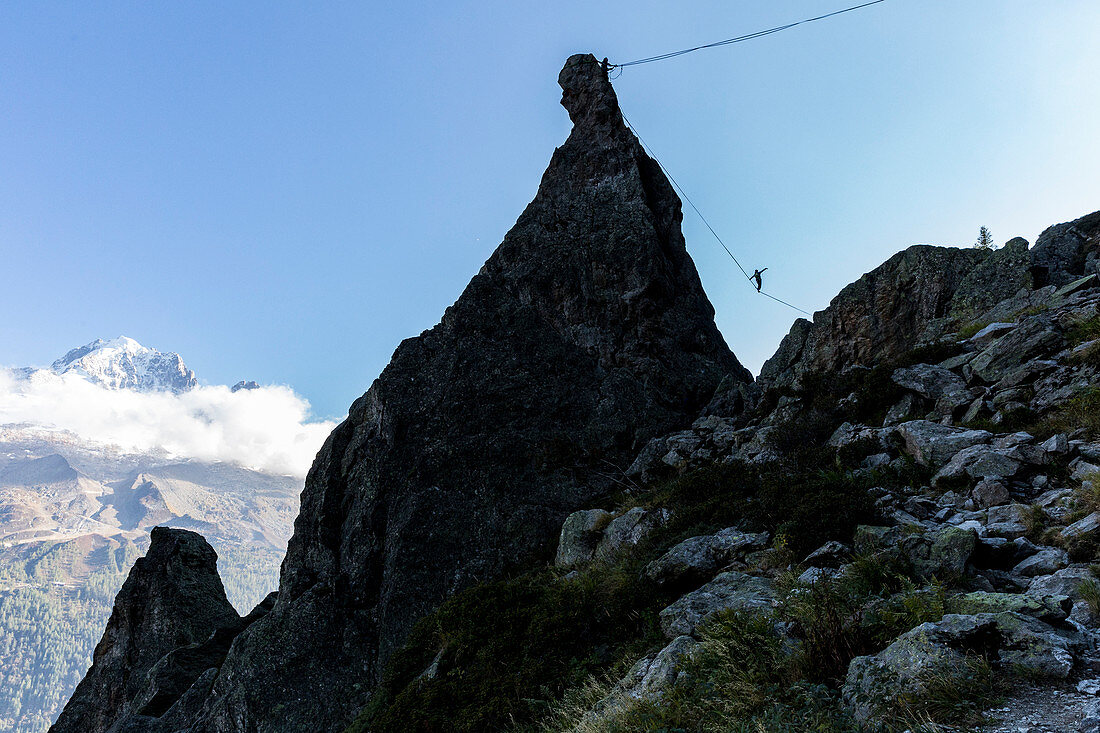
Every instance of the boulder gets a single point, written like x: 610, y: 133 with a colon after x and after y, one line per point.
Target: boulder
x: 1082, y: 470
x: 1036, y: 338
x: 940, y: 385
x: 651, y: 678
x: 1088, y: 282
x: 698, y: 558
x: 809, y: 576
x: 991, y: 332
x: 1044, y: 562
x: 1035, y: 648
x: 977, y: 462
x: 1056, y: 445
x: 848, y: 434
x: 942, y: 554
x: 829, y: 555
x: 1083, y: 615
x: 580, y: 534
x: 1087, y: 527
x: 649, y: 464
x: 904, y: 409
x: 944, y: 651
x: 990, y: 492
x: 1026, y: 373
x: 948, y: 554
x: 1049, y: 608
x: 1065, y: 582
x: 977, y: 410
x: 876, y: 685
x: 1007, y: 520
x: 729, y: 591
x: 932, y: 444
x: 627, y: 531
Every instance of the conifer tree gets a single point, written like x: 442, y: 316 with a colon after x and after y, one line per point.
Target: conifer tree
x: 985, y: 239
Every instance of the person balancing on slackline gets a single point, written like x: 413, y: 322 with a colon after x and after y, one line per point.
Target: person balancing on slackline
x: 756, y: 278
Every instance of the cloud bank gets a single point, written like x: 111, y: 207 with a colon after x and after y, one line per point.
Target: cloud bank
x: 267, y: 429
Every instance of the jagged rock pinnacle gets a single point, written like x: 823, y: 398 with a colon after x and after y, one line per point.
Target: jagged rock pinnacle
x: 584, y: 335
x: 587, y: 93
x: 173, y: 597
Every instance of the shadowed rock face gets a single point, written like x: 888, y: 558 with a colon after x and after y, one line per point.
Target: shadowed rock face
x: 997, y: 277
x: 173, y: 597
x: 1064, y: 252
x: 585, y: 334
x: 875, y: 319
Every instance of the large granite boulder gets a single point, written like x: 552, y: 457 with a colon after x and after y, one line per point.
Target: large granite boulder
x: 730, y: 591
x: 586, y: 334
x: 943, y: 553
x: 173, y: 598
x: 877, y: 687
x: 697, y: 559
x: 1035, y: 339
x: 932, y: 444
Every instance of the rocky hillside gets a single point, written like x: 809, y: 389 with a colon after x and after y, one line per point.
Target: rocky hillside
x: 568, y: 507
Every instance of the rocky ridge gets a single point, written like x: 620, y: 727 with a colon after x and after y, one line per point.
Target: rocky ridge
x: 972, y: 395
x: 1009, y: 520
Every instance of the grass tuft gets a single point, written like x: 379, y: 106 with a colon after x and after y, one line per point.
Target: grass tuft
x: 1090, y: 594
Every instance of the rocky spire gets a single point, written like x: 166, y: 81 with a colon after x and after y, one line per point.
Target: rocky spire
x: 173, y: 597
x: 587, y: 94
x: 584, y: 335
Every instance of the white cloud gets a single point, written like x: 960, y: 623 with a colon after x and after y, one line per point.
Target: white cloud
x: 266, y: 429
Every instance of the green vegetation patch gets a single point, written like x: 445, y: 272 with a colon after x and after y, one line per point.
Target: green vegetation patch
x: 1080, y: 411
x: 755, y: 672
x: 1082, y: 331
x: 506, y: 653
x: 506, y: 648
x: 971, y: 329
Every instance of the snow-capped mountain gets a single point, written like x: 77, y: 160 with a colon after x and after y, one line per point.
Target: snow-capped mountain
x: 123, y: 363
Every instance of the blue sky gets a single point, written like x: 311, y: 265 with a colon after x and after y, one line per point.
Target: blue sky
x: 282, y: 192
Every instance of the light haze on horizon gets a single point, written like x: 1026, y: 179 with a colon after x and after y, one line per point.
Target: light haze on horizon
x: 284, y: 192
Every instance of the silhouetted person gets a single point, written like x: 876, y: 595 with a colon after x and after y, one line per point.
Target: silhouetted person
x: 606, y: 67
x: 756, y: 278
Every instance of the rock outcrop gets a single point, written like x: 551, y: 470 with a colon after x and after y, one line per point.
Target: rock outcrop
x: 586, y: 334
x: 173, y: 598
x: 1065, y: 252
x: 874, y: 320
x: 997, y: 277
